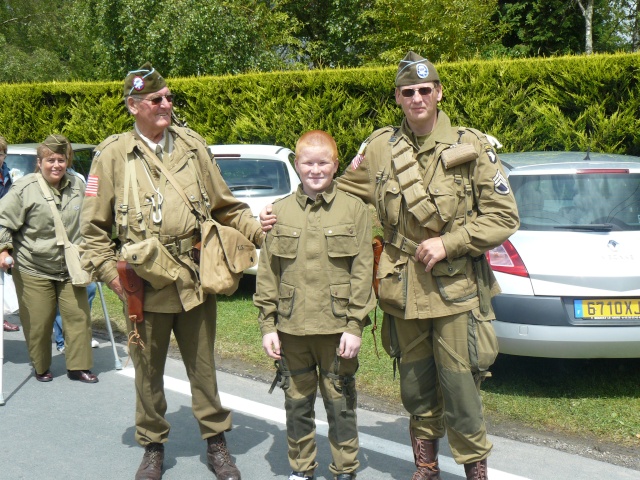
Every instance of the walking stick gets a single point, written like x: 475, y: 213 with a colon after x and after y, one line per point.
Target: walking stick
x: 108, y: 322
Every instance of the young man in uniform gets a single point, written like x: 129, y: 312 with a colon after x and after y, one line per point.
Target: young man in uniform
x: 314, y: 294
x: 129, y: 189
x: 443, y: 199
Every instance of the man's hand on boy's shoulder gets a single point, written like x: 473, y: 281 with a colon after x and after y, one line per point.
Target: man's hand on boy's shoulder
x: 267, y: 219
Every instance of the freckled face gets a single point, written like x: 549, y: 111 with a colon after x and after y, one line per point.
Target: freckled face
x: 316, y: 168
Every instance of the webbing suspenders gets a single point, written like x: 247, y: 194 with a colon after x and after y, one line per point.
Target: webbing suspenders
x: 131, y: 181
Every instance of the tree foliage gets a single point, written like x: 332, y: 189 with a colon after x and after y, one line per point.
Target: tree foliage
x: 438, y: 29
x: 44, y: 40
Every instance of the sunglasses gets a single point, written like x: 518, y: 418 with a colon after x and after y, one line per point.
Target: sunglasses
x: 158, y: 100
x: 410, y: 92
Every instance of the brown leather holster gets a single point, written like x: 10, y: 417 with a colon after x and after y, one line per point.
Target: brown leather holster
x: 377, y: 245
x: 133, y: 287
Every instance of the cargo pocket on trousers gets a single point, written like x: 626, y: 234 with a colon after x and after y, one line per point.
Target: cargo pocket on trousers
x: 483, y: 343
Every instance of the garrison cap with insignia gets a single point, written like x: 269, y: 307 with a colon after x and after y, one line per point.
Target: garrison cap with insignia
x: 414, y: 69
x: 143, y: 80
x: 57, y: 144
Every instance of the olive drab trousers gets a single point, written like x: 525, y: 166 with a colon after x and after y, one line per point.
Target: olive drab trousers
x: 438, y: 387
x: 195, y: 333
x: 309, y: 358
x: 37, y: 300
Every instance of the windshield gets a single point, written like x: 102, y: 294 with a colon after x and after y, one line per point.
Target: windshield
x: 586, y: 201
x: 255, y: 177
x: 20, y: 165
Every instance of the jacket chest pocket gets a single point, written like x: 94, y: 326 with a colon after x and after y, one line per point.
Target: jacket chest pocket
x: 445, y: 199
x: 391, y: 201
x: 341, y: 241
x: 285, y: 240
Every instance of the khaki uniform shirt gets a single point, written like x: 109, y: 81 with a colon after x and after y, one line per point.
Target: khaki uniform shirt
x: 27, y: 226
x: 315, y: 270
x: 104, y: 207
x: 472, y: 210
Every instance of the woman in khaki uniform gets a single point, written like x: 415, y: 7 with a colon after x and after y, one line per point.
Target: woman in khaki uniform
x: 314, y: 294
x: 28, y: 237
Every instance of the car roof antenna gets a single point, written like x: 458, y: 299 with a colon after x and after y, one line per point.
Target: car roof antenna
x: 587, y: 155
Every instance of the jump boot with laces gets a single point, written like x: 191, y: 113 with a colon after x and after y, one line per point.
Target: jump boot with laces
x: 477, y: 470
x: 425, y: 453
x: 219, y: 460
x: 151, y: 466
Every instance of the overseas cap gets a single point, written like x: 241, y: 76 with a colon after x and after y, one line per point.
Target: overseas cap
x: 57, y: 144
x: 414, y: 69
x: 144, y: 80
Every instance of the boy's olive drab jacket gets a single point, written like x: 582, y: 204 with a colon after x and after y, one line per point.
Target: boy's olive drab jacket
x: 316, y: 266
x: 471, y: 208
x: 27, y: 226
x: 103, y: 205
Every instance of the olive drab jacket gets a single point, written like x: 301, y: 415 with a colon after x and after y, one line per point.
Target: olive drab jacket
x: 164, y: 213
x: 470, y: 206
x: 27, y: 228
x: 315, y: 268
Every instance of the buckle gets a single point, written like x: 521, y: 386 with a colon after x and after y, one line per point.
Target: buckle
x: 172, y: 248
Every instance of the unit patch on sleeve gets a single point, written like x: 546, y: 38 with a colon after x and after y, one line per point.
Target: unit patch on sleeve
x: 500, y: 183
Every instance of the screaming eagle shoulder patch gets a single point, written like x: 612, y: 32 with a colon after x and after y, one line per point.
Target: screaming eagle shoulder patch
x: 500, y: 183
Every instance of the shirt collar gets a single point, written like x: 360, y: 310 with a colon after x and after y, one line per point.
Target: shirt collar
x: 165, y: 143
x: 327, y: 196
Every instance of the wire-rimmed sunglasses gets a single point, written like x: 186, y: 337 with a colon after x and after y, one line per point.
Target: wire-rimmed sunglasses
x: 158, y: 100
x: 410, y: 92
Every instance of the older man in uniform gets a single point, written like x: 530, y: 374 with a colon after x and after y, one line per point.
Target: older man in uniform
x: 443, y: 199
x: 129, y: 189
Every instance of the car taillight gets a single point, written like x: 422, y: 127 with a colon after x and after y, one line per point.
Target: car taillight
x: 505, y: 259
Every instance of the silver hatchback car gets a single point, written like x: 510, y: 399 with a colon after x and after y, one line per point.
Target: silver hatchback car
x: 570, y: 276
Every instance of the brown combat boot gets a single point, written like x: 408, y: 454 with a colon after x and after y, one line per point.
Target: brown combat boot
x: 425, y: 453
x: 219, y: 460
x: 151, y: 466
x: 476, y: 470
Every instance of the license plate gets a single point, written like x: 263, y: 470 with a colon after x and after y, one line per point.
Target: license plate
x: 607, y: 309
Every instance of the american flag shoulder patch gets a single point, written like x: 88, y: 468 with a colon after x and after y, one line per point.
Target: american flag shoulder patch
x: 92, y: 186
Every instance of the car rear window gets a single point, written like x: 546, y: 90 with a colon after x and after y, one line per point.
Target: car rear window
x: 255, y: 177
x: 582, y: 201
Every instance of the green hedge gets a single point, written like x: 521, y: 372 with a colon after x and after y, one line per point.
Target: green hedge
x: 566, y: 103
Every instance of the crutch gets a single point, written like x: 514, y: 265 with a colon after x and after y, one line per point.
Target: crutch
x: 1, y: 332
x: 108, y: 323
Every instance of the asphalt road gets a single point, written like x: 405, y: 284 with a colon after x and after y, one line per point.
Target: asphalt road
x: 69, y: 430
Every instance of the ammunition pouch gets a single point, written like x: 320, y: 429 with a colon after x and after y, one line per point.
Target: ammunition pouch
x: 152, y: 261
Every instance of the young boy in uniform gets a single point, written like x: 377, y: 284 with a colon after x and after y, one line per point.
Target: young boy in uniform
x: 314, y: 294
